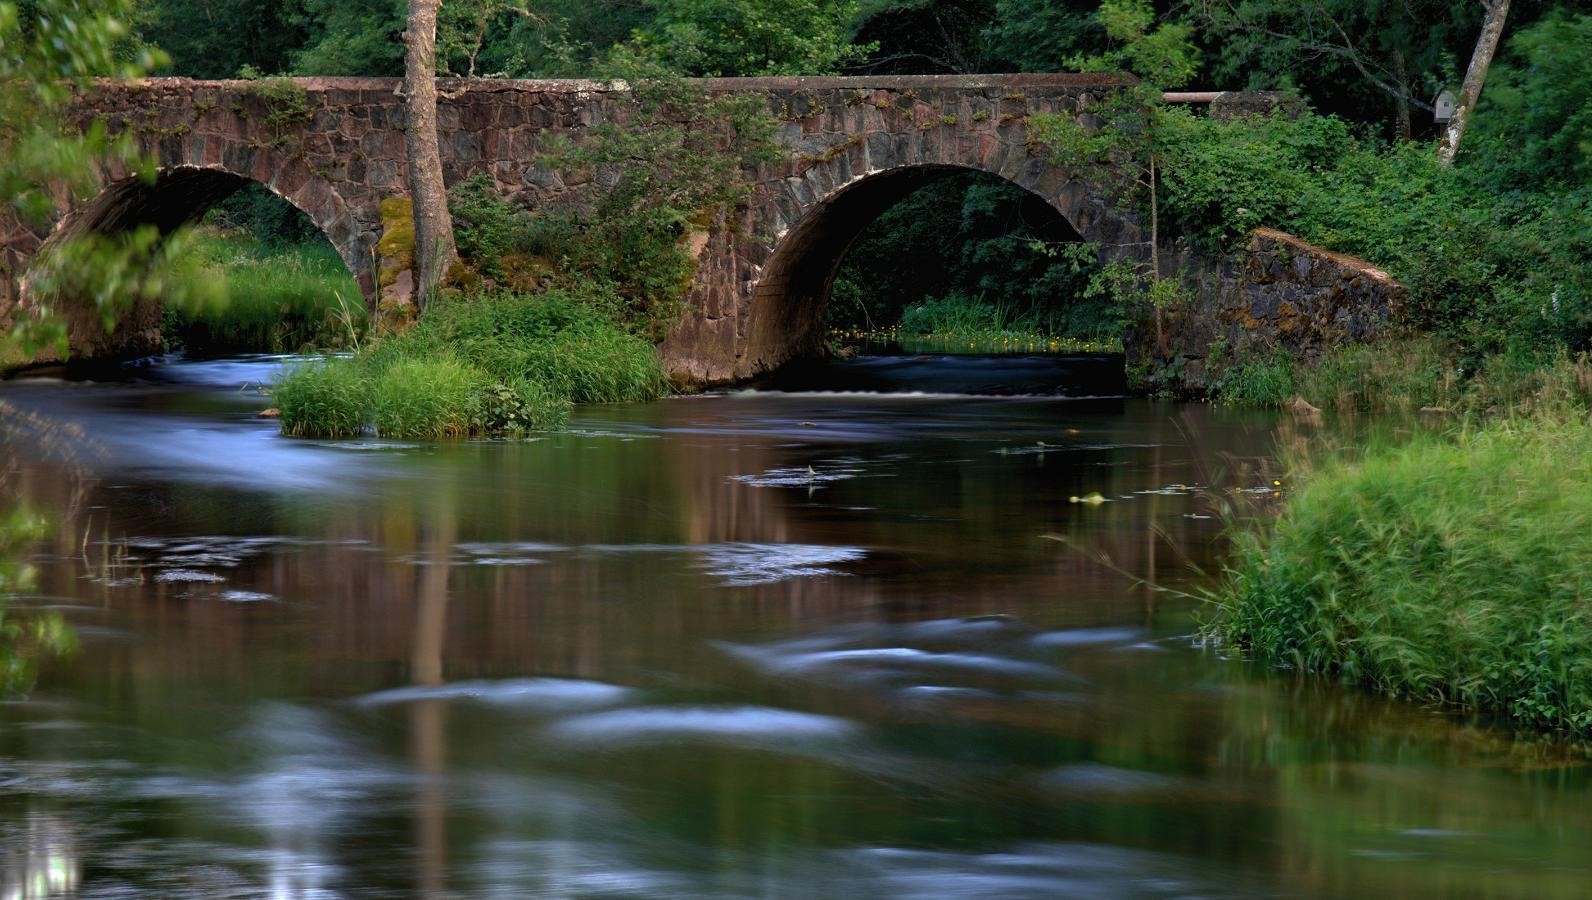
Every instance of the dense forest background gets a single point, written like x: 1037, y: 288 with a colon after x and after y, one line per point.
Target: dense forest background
x: 1494, y: 247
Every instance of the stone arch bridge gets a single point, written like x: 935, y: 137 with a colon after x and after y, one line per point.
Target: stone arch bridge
x: 854, y: 147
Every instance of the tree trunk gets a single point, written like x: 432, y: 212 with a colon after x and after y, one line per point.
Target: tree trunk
x: 1492, y: 28
x: 434, y: 247
x: 1403, y: 99
x: 1155, y: 258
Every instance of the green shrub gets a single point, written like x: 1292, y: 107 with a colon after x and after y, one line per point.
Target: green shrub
x: 524, y: 405
x: 1452, y: 569
x: 1266, y: 382
x: 430, y: 397
x: 486, y: 227
x: 328, y: 398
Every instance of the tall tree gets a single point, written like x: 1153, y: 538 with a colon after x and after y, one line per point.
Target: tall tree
x: 1162, y: 54
x: 1494, y: 12
x: 434, y: 247
x: 1365, y: 60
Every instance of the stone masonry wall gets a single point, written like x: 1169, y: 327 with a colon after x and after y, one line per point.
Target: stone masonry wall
x: 1278, y: 293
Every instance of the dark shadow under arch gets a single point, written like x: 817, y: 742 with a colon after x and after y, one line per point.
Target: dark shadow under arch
x: 788, y: 304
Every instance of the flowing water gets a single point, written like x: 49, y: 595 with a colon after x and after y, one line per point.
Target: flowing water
x: 816, y: 642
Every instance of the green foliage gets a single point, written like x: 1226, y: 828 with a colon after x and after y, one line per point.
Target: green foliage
x: 218, y: 38
x: 972, y: 235
x: 279, y: 299
x: 1536, y: 114
x: 561, y: 39
x: 326, y: 398
x: 486, y: 227
x: 1161, y: 52
x: 749, y: 37
x: 51, y: 48
x: 1264, y: 382
x: 1486, y: 270
x: 349, y: 37
x: 1450, y: 569
x: 931, y: 37
x: 1036, y: 35
x: 463, y: 30
x: 113, y: 272
x: 494, y: 363
x: 1221, y: 180
x: 270, y: 221
x: 430, y: 397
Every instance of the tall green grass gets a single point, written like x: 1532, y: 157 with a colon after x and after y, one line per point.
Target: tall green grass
x: 280, y: 299
x: 1406, y: 374
x: 968, y: 324
x: 323, y: 398
x: 491, y: 363
x: 1453, y: 569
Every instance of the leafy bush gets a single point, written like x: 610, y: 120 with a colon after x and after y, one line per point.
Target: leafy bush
x: 485, y: 226
x: 1451, y: 569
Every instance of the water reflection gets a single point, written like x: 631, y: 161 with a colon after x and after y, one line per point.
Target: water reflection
x: 751, y: 644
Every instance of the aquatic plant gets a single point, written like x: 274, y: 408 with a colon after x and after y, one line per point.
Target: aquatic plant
x: 1449, y: 570
x: 324, y: 398
x: 491, y: 363
x: 428, y: 397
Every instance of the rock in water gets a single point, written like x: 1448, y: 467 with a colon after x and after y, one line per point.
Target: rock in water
x: 1304, y: 412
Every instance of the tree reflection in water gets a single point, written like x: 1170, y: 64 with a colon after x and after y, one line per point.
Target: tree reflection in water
x: 28, y: 638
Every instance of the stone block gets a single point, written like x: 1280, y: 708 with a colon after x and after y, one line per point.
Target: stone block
x: 466, y: 146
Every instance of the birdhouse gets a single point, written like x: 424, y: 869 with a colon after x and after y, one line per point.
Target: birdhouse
x: 1445, y: 105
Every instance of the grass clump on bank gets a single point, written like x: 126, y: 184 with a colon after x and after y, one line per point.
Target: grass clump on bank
x: 959, y: 323
x: 490, y: 363
x: 1451, y: 570
x: 280, y: 298
x: 1405, y: 375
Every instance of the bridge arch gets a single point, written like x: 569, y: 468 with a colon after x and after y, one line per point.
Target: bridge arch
x: 820, y: 213
x: 190, y: 179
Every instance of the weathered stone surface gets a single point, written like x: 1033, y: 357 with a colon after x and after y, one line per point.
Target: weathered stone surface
x: 1277, y: 294
x: 856, y: 146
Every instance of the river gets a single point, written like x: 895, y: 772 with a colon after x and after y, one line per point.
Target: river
x: 810, y: 640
